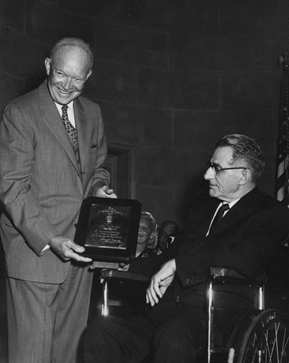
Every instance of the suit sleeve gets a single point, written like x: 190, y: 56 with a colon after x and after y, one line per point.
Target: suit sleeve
x: 101, y: 175
x: 16, y: 167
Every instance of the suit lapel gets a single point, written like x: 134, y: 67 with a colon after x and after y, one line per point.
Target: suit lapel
x: 52, y: 119
x: 243, y: 207
x: 208, y: 216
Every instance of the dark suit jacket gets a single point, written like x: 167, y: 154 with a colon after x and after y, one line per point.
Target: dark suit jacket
x: 41, y: 185
x: 246, y: 240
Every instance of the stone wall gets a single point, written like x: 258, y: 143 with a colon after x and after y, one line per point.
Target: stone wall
x: 171, y: 77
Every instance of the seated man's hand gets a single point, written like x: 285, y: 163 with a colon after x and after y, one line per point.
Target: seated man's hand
x: 160, y: 282
x: 123, y: 266
x: 67, y: 249
x: 105, y: 192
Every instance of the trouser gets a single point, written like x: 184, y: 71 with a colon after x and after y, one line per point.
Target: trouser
x: 130, y: 339
x: 46, y: 321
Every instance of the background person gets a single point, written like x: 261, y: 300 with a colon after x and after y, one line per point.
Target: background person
x: 133, y: 291
x: 245, y: 240
x: 166, y: 235
x: 147, y: 234
x: 44, y: 177
x: 145, y: 263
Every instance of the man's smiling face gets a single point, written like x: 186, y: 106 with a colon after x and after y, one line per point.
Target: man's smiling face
x: 67, y: 73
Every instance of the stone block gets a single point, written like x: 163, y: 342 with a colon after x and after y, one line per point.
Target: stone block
x: 155, y: 166
x: 243, y: 52
x: 197, y: 130
x: 158, y: 127
x: 189, y: 166
x: 250, y: 91
x: 101, y: 10
x: 123, y: 124
x: 175, y: 89
x: 51, y: 23
x: 200, y: 130
x: 158, y: 201
x: 247, y: 16
x: 199, y: 16
x: 10, y: 88
x: 132, y: 45
x: 28, y: 61
x: 12, y: 14
x: 195, y: 52
x: 111, y: 81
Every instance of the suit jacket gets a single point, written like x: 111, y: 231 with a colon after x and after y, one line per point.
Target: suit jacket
x: 245, y: 240
x: 41, y: 185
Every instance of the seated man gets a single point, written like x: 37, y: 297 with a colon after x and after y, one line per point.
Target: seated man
x: 245, y: 240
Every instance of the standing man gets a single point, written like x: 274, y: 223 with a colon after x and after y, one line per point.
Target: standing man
x: 244, y: 240
x: 45, y: 173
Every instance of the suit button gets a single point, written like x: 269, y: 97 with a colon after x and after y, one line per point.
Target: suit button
x: 177, y: 299
x: 187, y: 281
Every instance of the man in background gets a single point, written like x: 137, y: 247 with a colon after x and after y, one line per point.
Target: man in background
x: 53, y: 148
x: 167, y: 234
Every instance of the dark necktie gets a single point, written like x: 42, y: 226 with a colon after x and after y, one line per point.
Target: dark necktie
x: 219, y: 216
x: 69, y: 128
x: 72, y: 132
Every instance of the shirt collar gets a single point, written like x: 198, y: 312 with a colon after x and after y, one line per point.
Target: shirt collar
x: 59, y: 106
x: 231, y: 204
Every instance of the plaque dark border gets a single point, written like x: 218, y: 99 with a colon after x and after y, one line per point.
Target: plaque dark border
x: 119, y: 243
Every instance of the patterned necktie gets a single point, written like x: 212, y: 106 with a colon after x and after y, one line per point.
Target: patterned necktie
x: 72, y: 132
x: 219, y: 215
x: 69, y: 128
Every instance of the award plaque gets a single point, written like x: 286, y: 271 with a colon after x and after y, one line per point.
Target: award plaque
x: 108, y: 228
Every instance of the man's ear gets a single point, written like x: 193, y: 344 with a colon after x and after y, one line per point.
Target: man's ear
x: 246, y: 177
x: 88, y: 74
x: 47, y: 65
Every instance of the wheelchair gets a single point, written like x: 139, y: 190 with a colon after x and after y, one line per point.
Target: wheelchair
x: 130, y: 294
x: 259, y: 336
x: 253, y: 334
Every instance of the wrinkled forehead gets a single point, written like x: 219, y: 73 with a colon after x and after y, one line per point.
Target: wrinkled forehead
x: 223, y: 156
x: 68, y: 53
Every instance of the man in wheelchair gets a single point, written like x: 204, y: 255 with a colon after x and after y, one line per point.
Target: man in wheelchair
x: 245, y: 239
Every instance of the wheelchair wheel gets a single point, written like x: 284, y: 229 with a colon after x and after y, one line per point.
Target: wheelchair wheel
x: 267, y: 339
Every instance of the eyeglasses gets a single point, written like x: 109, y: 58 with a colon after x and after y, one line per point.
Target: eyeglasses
x: 218, y: 169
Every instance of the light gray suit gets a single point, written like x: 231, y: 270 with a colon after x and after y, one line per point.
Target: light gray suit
x: 42, y: 188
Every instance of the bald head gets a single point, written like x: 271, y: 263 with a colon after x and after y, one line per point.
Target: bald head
x: 69, y: 44
x: 68, y: 68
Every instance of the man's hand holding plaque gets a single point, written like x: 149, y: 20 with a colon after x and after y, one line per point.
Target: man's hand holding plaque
x: 108, y: 230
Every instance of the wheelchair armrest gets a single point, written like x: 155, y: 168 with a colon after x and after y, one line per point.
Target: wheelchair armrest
x: 107, y: 274
x: 221, y: 275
